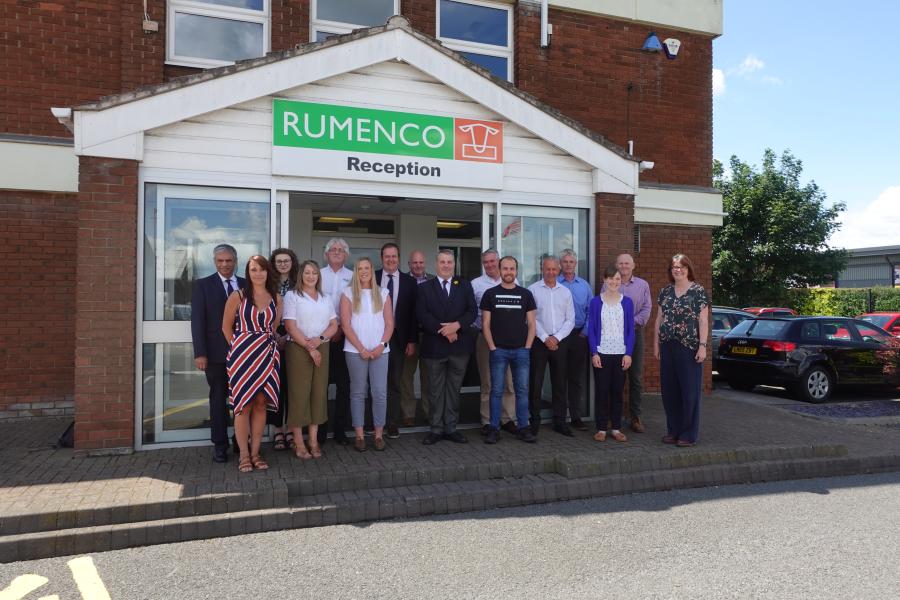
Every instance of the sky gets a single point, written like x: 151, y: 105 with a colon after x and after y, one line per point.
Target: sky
x: 821, y: 79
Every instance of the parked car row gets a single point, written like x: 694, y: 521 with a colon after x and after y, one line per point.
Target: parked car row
x: 808, y: 355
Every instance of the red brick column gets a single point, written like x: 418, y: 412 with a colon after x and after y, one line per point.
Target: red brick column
x: 614, y: 229
x: 105, y: 301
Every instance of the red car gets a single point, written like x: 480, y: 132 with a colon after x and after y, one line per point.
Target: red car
x: 771, y: 311
x: 889, y: 321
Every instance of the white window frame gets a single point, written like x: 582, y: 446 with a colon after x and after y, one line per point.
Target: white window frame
x: 336, y: 27
x: 206, y: 9
x: 478, y: 48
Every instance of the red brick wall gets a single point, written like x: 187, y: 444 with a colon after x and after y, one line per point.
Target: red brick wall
x: 37, y: 250
x: 588, y: 69
x: 105, y: 303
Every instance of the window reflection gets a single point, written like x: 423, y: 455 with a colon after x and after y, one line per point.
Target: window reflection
x: 183, y: 402
x: 248, y: 4
x: 497, y: 65
x: 219, y: 39
x: 355, y: 12
x: 528, y: 236
x: 474, y: 23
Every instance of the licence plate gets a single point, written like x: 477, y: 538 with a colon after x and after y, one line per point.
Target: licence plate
x: 745, y: 350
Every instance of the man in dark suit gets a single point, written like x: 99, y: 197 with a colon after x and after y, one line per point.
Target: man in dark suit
x: 402, y: 289
x: 445, y: 307
x: 207, y: 308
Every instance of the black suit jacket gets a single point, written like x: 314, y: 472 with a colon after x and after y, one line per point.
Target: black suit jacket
x: 433, y: 307
x: 207, y: 309
x: 406, y: 327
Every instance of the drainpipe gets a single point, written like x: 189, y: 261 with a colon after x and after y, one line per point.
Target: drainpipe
x: 545, y: 26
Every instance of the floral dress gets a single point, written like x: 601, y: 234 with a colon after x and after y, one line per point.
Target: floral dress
x: 681, y: 315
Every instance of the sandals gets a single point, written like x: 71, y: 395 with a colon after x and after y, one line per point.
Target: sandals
x: 245, y: 465
x: 301, y: 452
x: 315, y: 451
x: 619, y: 436
x: 278, y: 442
x: 600, y: 436
x: 259, y: 463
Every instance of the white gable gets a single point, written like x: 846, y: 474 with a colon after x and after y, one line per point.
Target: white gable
x: 226, y: 120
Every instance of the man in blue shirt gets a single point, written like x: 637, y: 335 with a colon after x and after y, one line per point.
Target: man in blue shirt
x: 577, y: 354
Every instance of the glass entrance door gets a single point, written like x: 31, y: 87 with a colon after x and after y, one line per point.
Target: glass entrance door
x: 182, y: 225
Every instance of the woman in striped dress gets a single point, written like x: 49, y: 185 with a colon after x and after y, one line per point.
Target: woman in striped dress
x: 251, y: 317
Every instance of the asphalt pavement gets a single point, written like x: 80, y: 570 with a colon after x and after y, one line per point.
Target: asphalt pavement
x: 817, y: 538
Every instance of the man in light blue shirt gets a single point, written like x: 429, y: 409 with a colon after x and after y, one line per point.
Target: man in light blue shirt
x: 577, y: 354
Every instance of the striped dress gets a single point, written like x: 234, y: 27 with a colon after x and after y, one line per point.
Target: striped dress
x: 253, y: 360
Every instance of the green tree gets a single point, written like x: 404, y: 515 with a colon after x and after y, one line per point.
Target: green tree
x: 775, y: 232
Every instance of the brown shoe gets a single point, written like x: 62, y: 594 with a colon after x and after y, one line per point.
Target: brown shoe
x: 510, y: 427
x: 360, y: 444
x: 636, y: 425
x: 392, y: 432
x: 379, y: 444
x: 409, y: 422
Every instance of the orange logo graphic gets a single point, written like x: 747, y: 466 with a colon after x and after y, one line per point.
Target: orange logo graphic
x: 480, y: 141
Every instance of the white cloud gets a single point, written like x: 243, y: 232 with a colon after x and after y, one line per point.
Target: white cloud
x: 750, y: 64
x: 718, y: 82
x: 876, y: 224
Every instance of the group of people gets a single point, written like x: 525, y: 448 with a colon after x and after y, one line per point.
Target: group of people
x: 271, y: 342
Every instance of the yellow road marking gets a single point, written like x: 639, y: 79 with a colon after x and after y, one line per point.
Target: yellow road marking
x: 21, y: 586
x: 53, y: 597
x: 87, y: 579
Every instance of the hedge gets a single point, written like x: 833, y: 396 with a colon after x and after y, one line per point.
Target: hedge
x: 843, y: 302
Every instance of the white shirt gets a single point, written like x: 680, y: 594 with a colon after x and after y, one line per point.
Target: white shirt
x: 612, y: 328
x: 555, y: 310
x: 312, y: 316
x: 384, y: 285
x: 480, y: 285
x: 334, y: 284
x: 233, y: 280
x: 367, y: 325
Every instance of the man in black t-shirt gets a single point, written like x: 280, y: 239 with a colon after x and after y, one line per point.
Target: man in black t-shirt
x: 508, y: 324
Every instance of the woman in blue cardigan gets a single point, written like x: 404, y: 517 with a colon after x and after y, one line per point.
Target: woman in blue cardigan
x: 611, y: 339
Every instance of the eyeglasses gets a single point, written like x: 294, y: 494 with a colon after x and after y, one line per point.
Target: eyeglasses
x: 678, y: 268
x: 286, y: 261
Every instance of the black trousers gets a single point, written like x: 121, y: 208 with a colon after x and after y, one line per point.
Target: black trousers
x: 609, y: 383
x: 340, y: 377
x: 217, y: 378
x: 396, y: 360
x: 577, y: 360
x: 540, y: 358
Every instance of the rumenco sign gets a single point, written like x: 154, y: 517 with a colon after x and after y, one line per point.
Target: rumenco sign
x: 348, y: 142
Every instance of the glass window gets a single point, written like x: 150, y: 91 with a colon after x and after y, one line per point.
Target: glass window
x: 480, y: 31
x: 335, y: 17
x: 529, y: 233
x: 870, y: 334
x: 469, y: 22
x: 810, y: 331
x: 211, y: 33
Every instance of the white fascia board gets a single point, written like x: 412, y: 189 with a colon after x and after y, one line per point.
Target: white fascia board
x: 679, y: 207
x: 93, y: 128
x: 513, y: 108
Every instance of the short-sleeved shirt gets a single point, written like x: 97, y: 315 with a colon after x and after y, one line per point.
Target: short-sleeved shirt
x: 509, y: 315
x: 681, y: 316
x: 312, y: 315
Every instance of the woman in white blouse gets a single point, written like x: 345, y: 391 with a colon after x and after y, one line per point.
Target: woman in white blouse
x: 367, y: 319
x: 611, y: 340
x: 311, y: 322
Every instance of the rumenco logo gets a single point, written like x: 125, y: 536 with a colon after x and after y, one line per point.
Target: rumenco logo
x: 354, y: 129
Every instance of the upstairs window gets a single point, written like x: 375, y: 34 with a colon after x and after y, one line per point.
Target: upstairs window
x: 336, y: 17
x: 480, y: 31
x: 212, y: 33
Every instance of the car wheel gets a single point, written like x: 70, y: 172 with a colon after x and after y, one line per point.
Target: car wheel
x: 741, y: 384
x: 815, y: 385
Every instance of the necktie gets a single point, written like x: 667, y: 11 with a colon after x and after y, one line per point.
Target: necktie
x: 391, y: 289
x: 230, y: 289
x: 447, y: 287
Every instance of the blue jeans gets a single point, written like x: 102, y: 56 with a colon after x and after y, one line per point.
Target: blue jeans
x: 518, y: 360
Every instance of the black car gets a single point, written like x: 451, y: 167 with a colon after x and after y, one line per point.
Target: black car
x: 809, y: 355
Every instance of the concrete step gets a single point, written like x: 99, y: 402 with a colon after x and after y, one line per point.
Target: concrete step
x: 259, y: 493
x: 439, y: 498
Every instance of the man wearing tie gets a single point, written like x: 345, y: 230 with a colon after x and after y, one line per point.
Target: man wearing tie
x: 402, y: 289
x: 445, y: 307
x: 207, y: 309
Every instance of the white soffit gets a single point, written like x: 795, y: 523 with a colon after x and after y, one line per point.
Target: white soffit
x: 678, y: 206
x: 117, y: 130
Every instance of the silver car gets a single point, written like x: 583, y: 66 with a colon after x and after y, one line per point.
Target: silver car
x: 724, y: 318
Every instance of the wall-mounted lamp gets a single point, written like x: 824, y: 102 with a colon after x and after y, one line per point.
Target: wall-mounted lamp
x: 652, y: 43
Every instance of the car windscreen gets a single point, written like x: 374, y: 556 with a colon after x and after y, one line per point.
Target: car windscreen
x: 762, y: 328
x: 880, y: 320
